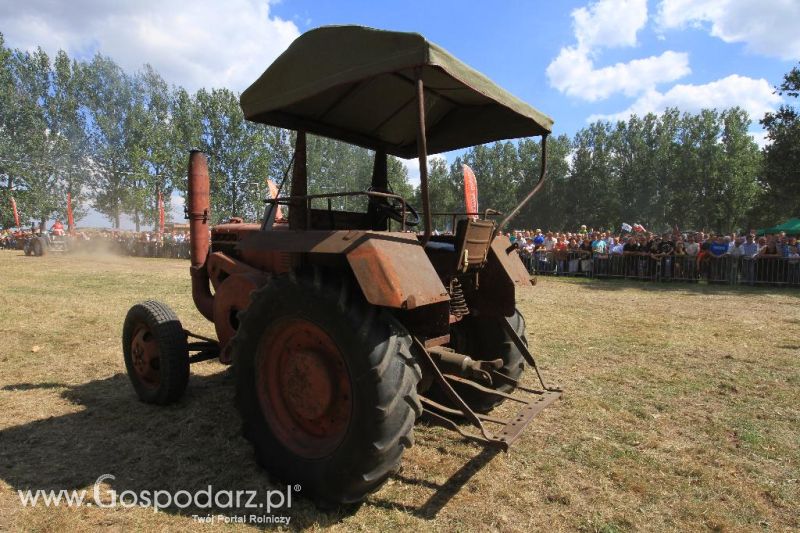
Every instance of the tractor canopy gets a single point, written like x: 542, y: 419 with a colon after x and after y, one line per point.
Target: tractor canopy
x: 357, y: 84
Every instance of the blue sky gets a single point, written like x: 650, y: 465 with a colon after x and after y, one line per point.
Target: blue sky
x: 577, y: 61
x: 514, y: 42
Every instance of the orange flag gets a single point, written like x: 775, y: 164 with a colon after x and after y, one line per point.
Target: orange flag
x: 470, y: 191
x: 160, y: 213
x: 273, y: 191
x: 16, y: 215
x: 70, y: 219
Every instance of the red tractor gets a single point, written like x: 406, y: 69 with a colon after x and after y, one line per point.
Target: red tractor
x: 341, y: 332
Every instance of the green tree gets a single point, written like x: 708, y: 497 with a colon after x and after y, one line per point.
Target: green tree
x: 36, y: 173
x: 153, y: 148
x: 781, y: 176
x: 738, y: 187
x: 108, y: 93
x: 590, y: 196
x: 445, y: 196
x: 547, y: 208
x: 239, y: 156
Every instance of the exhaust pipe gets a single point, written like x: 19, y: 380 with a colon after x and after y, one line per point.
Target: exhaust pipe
x: 199, y: 210
x: 199, y: 215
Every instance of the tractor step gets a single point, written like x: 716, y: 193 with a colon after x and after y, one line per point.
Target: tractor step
x: 532, y: 402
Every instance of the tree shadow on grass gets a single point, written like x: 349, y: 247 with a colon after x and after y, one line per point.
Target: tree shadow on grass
x: 187, y: 446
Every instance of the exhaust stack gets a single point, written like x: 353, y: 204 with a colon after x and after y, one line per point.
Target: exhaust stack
x: 199, y: 208
x: 199, y: 214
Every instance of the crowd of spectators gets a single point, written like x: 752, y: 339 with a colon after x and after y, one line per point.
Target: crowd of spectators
x: 140, y: 244
x: 8, y: 239
x: 689, y: 256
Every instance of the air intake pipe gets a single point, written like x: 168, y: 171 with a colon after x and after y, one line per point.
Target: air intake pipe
x: 199, y: 214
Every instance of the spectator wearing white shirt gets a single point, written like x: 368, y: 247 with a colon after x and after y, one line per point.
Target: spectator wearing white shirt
x: 549, y: 242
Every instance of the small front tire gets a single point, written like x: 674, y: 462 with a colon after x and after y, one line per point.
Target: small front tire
x: 156, y: 353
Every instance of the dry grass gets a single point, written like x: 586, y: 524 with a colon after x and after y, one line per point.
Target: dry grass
x: 681, y: 412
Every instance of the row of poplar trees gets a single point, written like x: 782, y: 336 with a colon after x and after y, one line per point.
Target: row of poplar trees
x: 694, y: 171
x: 114, y: 140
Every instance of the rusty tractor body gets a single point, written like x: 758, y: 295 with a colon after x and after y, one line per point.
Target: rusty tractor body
x: 341, y: 331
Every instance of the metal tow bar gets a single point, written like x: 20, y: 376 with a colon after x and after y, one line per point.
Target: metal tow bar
x: 532, y: 401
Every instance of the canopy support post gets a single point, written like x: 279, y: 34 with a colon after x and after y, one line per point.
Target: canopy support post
x: 380, y: 183
x: 535, y: 190
x: 298, y: 208
x: 422, y: 152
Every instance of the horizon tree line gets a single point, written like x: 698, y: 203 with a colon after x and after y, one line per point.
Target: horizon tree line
x: 114, y: 140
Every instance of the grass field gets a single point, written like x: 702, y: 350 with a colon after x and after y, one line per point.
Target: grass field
x: 681, y: 412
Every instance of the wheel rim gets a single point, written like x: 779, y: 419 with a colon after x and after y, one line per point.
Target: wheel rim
x: 304, y: 388
x: 145, y: 356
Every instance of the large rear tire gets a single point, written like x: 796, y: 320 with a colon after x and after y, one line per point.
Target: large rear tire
x: 39, y: 246
x: 484, y: 338
x: 156, y: 353
x: 326, y: 386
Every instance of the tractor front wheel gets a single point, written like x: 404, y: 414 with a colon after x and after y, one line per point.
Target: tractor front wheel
x: 326, y: 386
x: 156, y: 352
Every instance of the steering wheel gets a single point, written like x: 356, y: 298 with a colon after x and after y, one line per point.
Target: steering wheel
x: 393, y: 208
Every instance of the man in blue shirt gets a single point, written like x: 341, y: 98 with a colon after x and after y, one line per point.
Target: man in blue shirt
x: 749, y: 248
x: 718, y: 248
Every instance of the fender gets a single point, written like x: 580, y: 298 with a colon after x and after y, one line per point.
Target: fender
x: 508, y: 256
x: 503, y: 275
x: 391, y: 268
x: 396, y: 273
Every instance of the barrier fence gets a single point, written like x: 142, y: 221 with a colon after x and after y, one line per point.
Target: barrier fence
x: 724, y: 270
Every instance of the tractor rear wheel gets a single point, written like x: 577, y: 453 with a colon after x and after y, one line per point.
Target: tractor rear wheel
x: 156, y: 353
x: 326, y: 386
x: 484, y: 338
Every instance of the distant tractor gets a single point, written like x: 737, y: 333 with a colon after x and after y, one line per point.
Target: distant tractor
x: 341, y: 332
x: 42, y: 244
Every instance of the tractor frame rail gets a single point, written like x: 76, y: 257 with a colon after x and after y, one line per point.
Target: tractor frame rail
x: 204, y: 348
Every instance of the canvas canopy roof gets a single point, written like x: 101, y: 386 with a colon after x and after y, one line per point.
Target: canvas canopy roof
x: 790, y: 227
x: 357, y: 84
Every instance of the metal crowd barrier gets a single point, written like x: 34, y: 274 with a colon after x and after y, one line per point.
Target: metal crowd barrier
x: 564, y: 263
x: 724, y: 270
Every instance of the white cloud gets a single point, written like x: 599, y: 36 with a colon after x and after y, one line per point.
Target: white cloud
x: 200, y: 44
x: 760, y: 137
x: 753, y: 95
x: 768, y: 27
x: 412, y: 165
x: 608, y: 24
x: 574, y: 73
